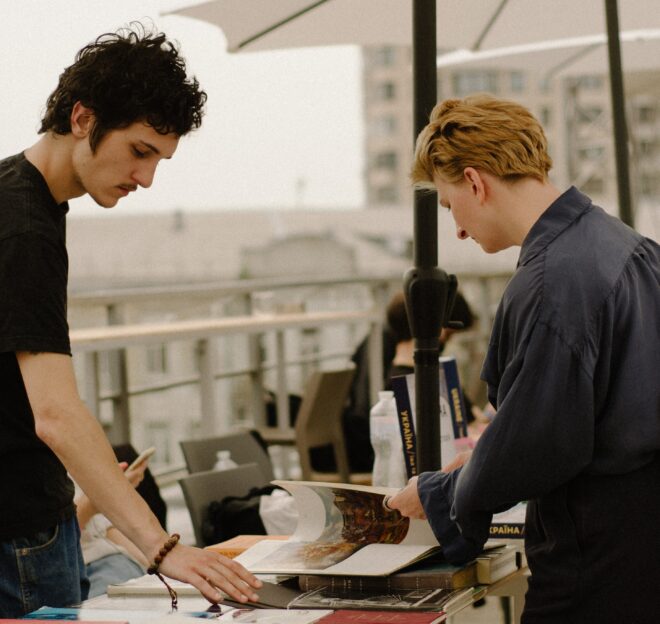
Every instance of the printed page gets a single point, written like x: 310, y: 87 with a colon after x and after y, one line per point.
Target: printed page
x: 337, y: 522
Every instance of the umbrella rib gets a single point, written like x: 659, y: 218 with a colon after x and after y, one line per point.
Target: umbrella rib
x: 571, y: 59
x: 489, y: 25
x: 277, y: 25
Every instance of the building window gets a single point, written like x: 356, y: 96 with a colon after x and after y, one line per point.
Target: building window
x: 517, y: 81
x: 387, y: 195
x: 385, y: 56
x: 645, y: 114
x: 383, y: 126
x: 467, y: 82
x: 385, y: 91
x: 649, y: 185
x: 545, y: 116
x: 157, y: 359
x: 591, y: 153
x: 589, y: 114
x: 385, y: 160
x: 590, y: 82
x: 647, y: 147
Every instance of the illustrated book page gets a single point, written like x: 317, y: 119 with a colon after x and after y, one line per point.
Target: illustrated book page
x: 342, y: 529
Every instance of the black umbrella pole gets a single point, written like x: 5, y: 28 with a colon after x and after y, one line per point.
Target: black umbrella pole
x: 429, y: 299
x: 423, y: 283
x: 619, y: 114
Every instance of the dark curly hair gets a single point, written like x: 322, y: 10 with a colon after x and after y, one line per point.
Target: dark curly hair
x: 124, y: 77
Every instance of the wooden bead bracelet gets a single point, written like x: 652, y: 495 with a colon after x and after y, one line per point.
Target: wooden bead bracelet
x: 172, y: 541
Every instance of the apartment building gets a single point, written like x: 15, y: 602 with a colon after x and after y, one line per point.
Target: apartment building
x: 575, y: 112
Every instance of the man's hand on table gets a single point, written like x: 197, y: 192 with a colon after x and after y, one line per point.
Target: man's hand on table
x: 209, y: 572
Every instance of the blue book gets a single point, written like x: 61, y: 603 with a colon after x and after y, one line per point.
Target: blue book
x: 453, y: 394
x: 452, y: 438
x: 406, y: 423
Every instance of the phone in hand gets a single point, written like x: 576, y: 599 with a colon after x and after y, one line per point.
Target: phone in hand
x: 142, y: 457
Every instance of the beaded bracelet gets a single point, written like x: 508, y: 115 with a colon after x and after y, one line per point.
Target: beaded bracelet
x: 158, y: 559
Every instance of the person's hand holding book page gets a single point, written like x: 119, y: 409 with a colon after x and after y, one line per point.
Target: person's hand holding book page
x: 406, y: 501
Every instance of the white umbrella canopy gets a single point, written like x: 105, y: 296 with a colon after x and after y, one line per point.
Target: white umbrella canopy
x: 640, y: 50
x: 252, y: 25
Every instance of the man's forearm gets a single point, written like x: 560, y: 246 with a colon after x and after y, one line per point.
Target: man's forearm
x: 64, y: 423
x: 77, y: 438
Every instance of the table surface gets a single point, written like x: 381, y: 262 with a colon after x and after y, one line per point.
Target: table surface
x: 513, y: 585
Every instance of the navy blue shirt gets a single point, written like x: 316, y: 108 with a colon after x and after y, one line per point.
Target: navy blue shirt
x: 573, y: 367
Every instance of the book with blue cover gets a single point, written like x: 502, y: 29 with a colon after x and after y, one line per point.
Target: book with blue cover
x: 453, y: 420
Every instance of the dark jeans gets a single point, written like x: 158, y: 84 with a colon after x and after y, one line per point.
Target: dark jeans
x: 42, y: 569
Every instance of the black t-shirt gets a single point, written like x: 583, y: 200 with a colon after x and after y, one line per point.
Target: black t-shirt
x: 35, y: 491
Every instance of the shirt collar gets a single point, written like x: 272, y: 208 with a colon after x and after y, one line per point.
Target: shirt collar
x: 561, y: 213
x: 58, y: 210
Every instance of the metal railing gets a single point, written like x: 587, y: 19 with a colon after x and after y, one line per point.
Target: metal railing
x: 113, y: 342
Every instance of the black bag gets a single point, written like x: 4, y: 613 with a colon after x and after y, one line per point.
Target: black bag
x: 235, y: 515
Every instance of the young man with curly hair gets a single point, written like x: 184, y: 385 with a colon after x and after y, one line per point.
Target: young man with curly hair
x: 572, y: 368
x: 116, y: 113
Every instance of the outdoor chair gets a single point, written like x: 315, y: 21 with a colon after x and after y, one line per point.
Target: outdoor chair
x: 244, y: 446
x: 319, y: 424
x: 202, y: 488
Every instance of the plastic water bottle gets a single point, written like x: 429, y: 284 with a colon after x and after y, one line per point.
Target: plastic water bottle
x: 224, y: 461
x: 389, y: 466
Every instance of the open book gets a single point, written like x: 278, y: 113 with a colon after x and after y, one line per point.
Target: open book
x: 342, y: 529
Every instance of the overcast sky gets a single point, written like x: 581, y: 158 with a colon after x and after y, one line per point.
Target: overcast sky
x: 282, y: 128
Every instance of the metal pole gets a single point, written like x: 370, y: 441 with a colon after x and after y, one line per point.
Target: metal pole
x: 618, y: 114
x: 423, y: 283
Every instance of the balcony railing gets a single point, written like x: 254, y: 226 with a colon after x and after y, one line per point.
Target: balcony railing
x: 290, y: 337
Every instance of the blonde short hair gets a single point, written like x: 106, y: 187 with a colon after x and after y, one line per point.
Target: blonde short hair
x: 497, y: 136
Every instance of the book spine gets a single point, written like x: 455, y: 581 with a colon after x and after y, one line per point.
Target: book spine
x: 406, y: 423
x: 455, y: 396
x: 358, y: 584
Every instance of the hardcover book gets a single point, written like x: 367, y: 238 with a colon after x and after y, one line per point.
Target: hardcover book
x: 432, y: 573
x: 344, y: 616
x: 453, y: 421
x: 342, y: 529
x: 437, y: 600
x: 509, y: 524
x: 496, y: 563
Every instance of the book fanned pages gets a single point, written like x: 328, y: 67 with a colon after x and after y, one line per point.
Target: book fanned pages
x: 431, y: 573
x: 342, y: 529
x: 438, y: 600
x: 343, y: 616
x: 453, y: 422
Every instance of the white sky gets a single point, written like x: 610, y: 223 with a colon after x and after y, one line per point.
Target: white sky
x: 273, y: 118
